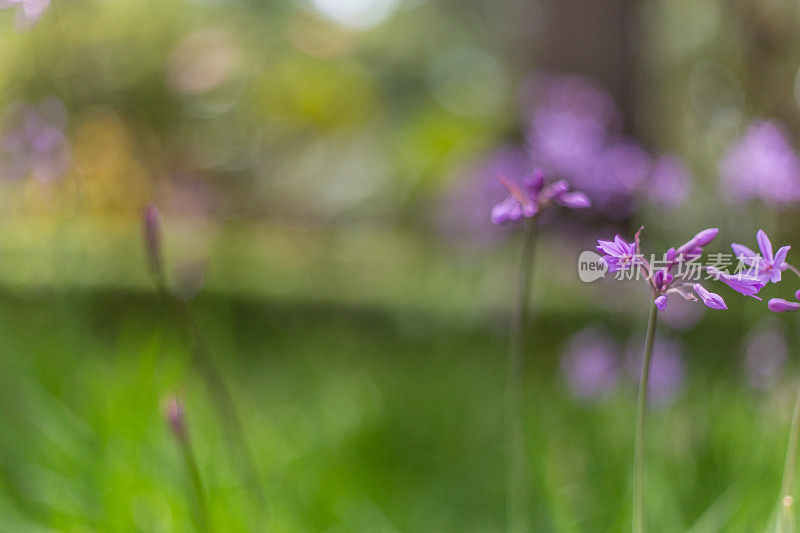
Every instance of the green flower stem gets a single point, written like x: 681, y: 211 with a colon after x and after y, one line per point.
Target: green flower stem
x: 203, y: 517
x: 639, y: 463
x: 517, y: 516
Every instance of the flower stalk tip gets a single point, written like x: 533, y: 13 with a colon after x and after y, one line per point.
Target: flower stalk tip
x: 151, y: 224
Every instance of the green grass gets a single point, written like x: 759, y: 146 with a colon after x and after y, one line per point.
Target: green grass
x: 360, y: 419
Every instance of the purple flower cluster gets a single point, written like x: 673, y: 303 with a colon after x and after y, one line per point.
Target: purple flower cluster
x: 669, y: 277
x: 761, y: 164
x: 574, y: 132
x: 533, y: 197
x: 33, y: 141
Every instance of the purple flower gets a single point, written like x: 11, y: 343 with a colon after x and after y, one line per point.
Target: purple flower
x: 29, y: 10
x: 34, y: 142
x: 461, y: 214
x: 779, y: 305
x: 670, y: 278
x: 695, y: 244
x: 590, y: 363
x: 533, y: 197
x: 711, y: 299
x: 669, y: 182
x: 619, y: 255
x: 762, y: 164
x: 767, y: 267
x: 743, y: 283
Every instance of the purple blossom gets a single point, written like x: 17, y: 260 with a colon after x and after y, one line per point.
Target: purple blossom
x: 743, y: 283
x: 766, y: 266
x: 590, y: 363
x: 669, y: 278
x: 574, y: 132
x: 29, y: 10
x: 33, y: 142
x: 619, y: 255
x: 533, y: 197
x: 761, y: 164
x: 779, y: 305
x: 475, y: 189
x: 711, y: 299
x: 669, y: 182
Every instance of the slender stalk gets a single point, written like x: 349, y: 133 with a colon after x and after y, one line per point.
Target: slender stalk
x: 203, y: 515
x: 220, y: 394
x: 639, y: 463
x: 786, y: 510
x: 517, y: 517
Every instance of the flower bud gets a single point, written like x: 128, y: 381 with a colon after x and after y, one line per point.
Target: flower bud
x: 173, y: 413
x: 779, y: 305
x: 151, y: 223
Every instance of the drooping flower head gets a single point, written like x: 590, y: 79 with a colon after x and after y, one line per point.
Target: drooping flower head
x: 533, y: 197
x: 672, y: 274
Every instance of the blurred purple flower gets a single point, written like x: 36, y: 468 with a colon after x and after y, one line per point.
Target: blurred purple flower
x: 667, y: 370
x: 461, y: 216
x: 761, y: 164
x: 764, y: 355
x: 533, y: 197
x: 33, y: 142
x: 590, y: 364
x: 29, y: 10
x: 574, y: 132
x: 669, y: 183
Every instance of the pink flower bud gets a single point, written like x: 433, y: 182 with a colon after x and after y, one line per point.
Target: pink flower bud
x: 173, y: 413
x: 779, y: 305
x: 151, y: 223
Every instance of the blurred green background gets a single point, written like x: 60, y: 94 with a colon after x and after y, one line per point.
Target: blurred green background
x: 322, y: 171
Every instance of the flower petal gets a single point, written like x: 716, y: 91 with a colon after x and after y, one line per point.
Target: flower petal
x: 779, y: 305
x: 744, y: 254
x: 574, y: 200
x: 661, y: 302
x: 711, y: 299
x: 780, y: 257
x: 765, y: 245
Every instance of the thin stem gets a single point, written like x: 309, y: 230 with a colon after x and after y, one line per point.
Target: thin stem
x: 221, y: 395
x: 517, y: 518
x: 785, y: 520
x: 203, y: 515
x: 639, y: 463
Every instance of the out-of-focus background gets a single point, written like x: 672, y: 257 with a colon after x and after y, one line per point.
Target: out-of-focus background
x: 325, y: 171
